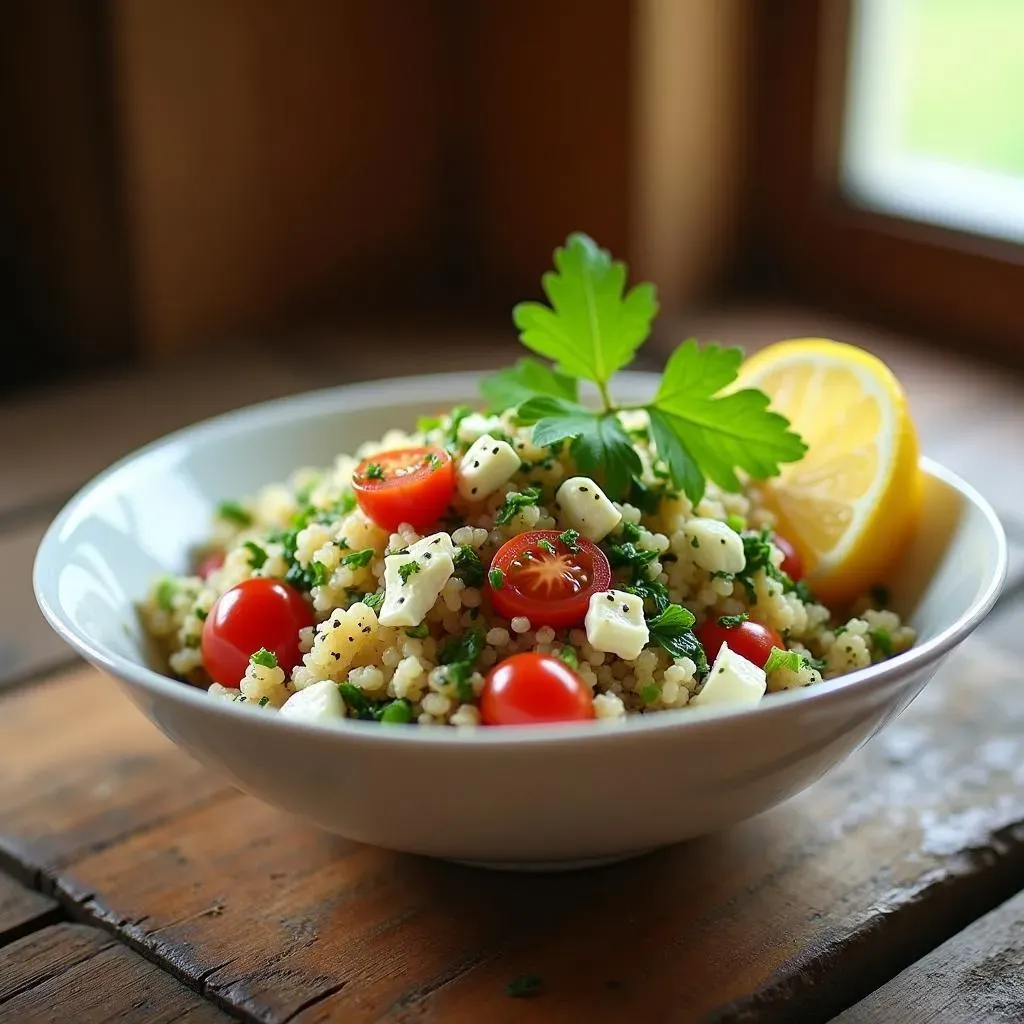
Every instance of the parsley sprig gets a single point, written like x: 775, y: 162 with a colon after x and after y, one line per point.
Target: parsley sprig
x: 590, y: 329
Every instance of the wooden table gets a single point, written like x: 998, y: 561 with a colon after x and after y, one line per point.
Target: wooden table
x: 135, y: 886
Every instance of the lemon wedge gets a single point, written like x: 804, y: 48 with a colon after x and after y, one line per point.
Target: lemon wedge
x: 850, y: 504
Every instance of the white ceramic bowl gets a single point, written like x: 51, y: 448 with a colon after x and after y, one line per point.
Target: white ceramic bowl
x: 524, y: 797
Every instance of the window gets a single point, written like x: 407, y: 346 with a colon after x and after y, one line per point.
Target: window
x: 935, y: 113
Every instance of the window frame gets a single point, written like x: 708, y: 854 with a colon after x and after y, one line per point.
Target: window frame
x: 812, y: 239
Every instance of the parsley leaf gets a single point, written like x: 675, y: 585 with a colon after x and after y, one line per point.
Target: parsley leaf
x: 569, y: 656
x: 592, y: 327
x: 357, y: 701
x: 373, y: 601
x: 464, y: 648
x: 570, y: 540
x: 628, y: 554
x: 651, y: 592
x: 527, y: 379
x: 671, y: 629
x: 358, y: 559
x: 524, y: 985
x: 599, y: 443
x: 496, y: 578
x: 468, y: 566
x: 514, y: 501
x: 374, y: 471
x: 257, y: 555
x: 418, y: 632
x: 264, y: 658
x: 732, y: 621
x: 882, y: 639
x: 782, y: 659
x: 233, y: 512
x: 408, y: 569
x: 165, y: 591
x: 318, y: 573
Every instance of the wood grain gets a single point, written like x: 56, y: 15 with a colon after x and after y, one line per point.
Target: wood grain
x: 801, y: 911
x: 104, y: 774
x: 71, y: 974
x: 978, y: 975
x: 22, y: 910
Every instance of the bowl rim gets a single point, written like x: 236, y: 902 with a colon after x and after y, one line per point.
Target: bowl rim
x: 322, y: 400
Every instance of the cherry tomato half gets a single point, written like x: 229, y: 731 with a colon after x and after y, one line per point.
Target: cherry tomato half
x: 749, y: 640
x: 534, y: 689
x: 544, y: 580
x: 253, y: 614
x: 792, y: 563
x: 409, y: 485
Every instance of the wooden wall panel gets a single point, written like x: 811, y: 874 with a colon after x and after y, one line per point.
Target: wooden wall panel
x: 281, y: 158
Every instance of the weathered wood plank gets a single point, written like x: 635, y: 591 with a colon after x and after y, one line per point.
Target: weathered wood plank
x: 805, y: 909
x: 978, y: 975
x: 82, y: 769
x: 22, y: 910
x: 72, y: 973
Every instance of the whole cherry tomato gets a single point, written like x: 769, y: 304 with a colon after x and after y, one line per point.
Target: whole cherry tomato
x: 534, y: 689
x: 748, y: 639
x: 253, y: 614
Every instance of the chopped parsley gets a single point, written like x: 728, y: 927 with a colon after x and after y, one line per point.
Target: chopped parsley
x: 650, y: 692
x: 425, y: 424
x: 358, y: 559
x: 819, y: 664
x: 570, y: 540
x: 882, y: 639
x: 257, y: 555
x: 319, y: 574
x: 514, y: 502
x: 545, y: 545
x: 569, y: 656
x: 357, y: 701
x: 468, y: 566
x: 496, y: 578
x: 234, y: 512
x: 373, y: 601
x: 840, y: 630
x: 732, y: 621
x: 628, y: 554
x: 524, y: 986
x: 408, y: 569
x: 264, y: 658
x: 374, y: 471
x: 396, y: 712
x: 432, y: 461
x: 263, y: 701
x: 165, y: 591
x: 629, y: 532
x: 201, y: 614
x: 652, y: 592
x: 464, y: 648
x: 736, y: 523
x: 671, y: 630
x: 779, y: 658
x: 458, y: 674
x: 418, y: 632
x: 457, y: 415
x: 757, y: 550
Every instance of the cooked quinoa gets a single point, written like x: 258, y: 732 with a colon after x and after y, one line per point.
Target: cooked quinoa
x: 715, y: 560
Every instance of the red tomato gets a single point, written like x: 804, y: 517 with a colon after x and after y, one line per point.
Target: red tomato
x: 253, y: 614
x: 210, y: 564
x: 749, y: 640
x: 792, y: 563
x: 545, y: 581
x: 410, y: 485
x: 534, y: 689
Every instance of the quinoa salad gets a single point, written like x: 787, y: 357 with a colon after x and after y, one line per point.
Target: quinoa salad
x: 533, y: 559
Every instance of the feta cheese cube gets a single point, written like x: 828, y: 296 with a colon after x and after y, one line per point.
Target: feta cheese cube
x: 615, y: 624
x: 320, y: 702
x: 584, y: 506
x: 475, y: 424
x: 716, y: 546
x: 732, y: 682
x: 409, y: 593
x: 487, y: 465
